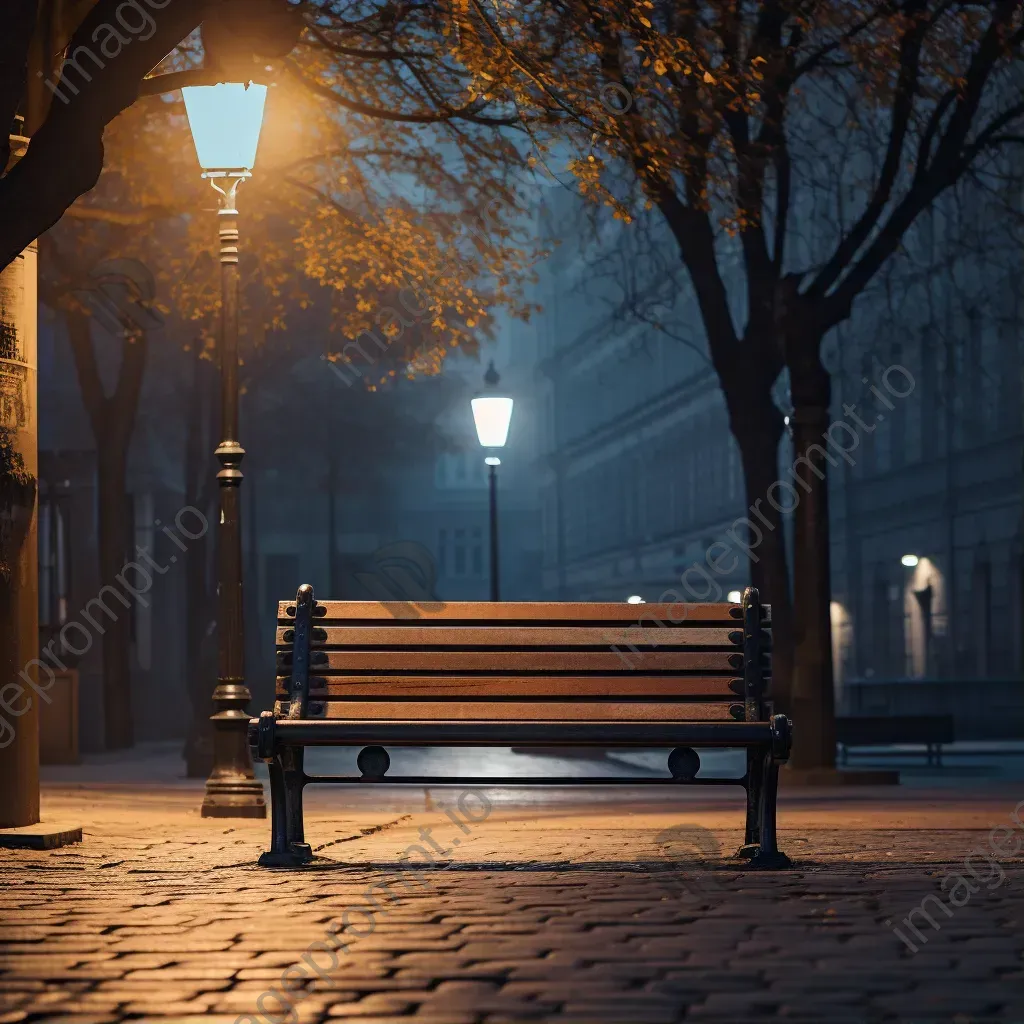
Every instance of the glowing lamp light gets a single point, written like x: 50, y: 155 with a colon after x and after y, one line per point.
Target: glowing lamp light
x: 635, y: 599
x: 910, y: 561
x: 226, y: 121
x: 492, y: 460
x: 492, y: 416
x: 734, y: 597
x: 492, y: 413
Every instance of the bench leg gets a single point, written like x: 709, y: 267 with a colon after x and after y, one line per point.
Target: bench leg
x: 769, y: 855
x: 288, y: 848
x: 278, y: 817
x: 752, y: 835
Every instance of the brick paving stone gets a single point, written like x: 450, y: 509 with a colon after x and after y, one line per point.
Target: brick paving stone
x: 559, y: 908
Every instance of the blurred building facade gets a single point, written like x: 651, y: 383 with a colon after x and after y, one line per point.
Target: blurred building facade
x: 640, y: 474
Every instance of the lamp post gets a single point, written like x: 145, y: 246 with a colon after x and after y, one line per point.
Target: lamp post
x: 226, y: 122
x: 492, y: 414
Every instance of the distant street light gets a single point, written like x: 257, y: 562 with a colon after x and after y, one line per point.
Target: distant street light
x: 910, y: 561
x: 226, y: 121
x: 635, y: 599
x: 492, y: 414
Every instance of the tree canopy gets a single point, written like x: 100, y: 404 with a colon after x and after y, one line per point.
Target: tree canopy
x: 800, y: 138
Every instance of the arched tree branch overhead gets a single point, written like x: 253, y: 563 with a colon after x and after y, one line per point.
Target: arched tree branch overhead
x: 397, y: 63
x: 65, y: 157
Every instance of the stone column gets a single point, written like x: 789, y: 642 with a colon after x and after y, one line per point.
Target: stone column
x: 19, y: 590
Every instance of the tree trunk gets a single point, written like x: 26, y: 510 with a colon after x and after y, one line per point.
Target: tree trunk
x: 758, y: 425
x: 113, y: 422
x: 813, y: 700
x: 112, y: 487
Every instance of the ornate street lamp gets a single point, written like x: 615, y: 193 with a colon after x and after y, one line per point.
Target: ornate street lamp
x: 492, y: 414
x: 226, y: 122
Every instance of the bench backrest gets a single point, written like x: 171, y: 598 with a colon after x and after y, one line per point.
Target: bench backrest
x: 523, y: 661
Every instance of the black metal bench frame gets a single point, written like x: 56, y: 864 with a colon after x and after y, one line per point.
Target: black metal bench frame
x: 280, y: 741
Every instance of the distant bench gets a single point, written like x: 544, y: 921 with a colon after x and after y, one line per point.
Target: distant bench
x: 364, y: 674
x: 930, y: 731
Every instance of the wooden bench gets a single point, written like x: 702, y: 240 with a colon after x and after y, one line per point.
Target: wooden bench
x: 930, y: 731
x: 371, y: 675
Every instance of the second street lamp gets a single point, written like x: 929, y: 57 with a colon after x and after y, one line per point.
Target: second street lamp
x: 492, y: 414
x: 226, y: 121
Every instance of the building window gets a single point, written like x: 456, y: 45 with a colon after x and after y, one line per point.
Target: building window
x: 54, y: 577
x: 880, y: 658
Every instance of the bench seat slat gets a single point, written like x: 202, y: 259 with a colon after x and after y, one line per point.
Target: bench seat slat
x: 398, y: 612
x: 526, y: 636
x: 499, y: 662
x: 384, y: 687
x: 526, y: 711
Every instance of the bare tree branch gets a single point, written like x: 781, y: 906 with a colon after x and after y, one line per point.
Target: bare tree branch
x: 902, y: 109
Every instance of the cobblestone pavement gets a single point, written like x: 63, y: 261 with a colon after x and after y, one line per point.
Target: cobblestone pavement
x: 563, y: 906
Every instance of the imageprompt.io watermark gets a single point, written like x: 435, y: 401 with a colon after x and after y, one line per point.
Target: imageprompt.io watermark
x: 132, y: 21
x: 747, y: 533
x: 958, y: 886
x: 405, y: 574
x: 119, y: 298
x: 690, y: 850
x: 76, y: 639
x: 393, y: 321
x: 360, y: 918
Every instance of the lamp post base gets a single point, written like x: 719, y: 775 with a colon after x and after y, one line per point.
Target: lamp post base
x: 234, y: 798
